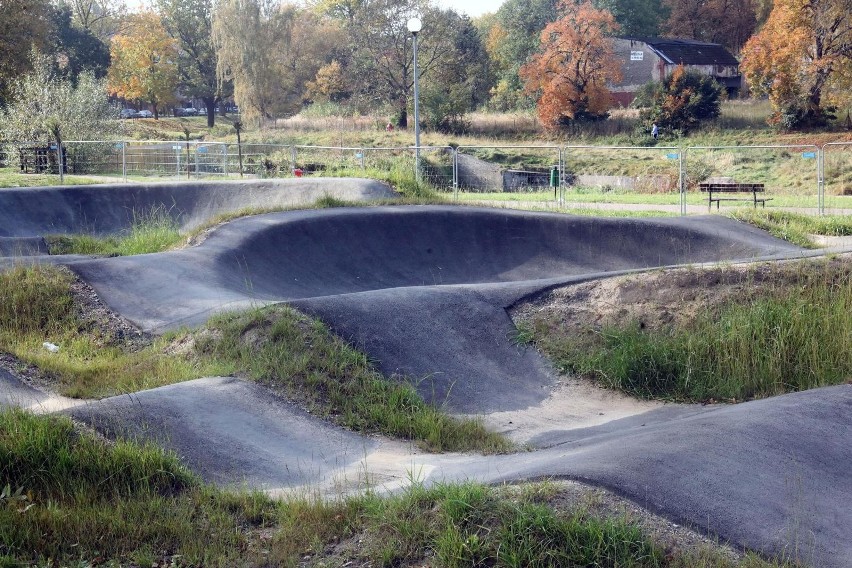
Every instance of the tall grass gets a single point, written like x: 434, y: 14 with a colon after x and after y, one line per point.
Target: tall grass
x: 287, y: 351
x: 788, y: 337
x: 795, y: 227
x: 36, y: 305
x: 150, y: 231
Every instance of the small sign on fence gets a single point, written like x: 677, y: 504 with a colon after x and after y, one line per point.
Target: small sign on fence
x: 175, y: 147
x: 809, y: 155
x: 672, y: 156
x: 202, y: 149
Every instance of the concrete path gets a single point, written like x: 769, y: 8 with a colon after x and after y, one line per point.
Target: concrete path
x: 424, y: 291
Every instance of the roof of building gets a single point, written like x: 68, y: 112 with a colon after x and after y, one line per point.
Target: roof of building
x: 688, y: 51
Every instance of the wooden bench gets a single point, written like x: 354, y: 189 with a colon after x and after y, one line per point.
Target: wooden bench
x: 729, y: 188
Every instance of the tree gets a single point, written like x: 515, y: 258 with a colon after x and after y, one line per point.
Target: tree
x: 76, y: 49
x: 380, y: 61
x: 101, y: 18
x: 575, y: 64
x: 191, y: 22
x: 144, y: 62
x: 684, y: 99
x: 511, y: 40
x: 636, y: 17
x: 801, y: 59
x: 43, y: 99
x: 728, y: 22
x: 24, y: 25
x: 270, y: 52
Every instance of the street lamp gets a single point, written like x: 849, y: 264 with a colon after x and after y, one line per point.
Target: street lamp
x: 414, y: 26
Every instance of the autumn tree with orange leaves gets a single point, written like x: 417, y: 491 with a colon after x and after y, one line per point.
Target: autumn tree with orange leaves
x: 576, y: 62
x: 802, y: 60
x: 144, y: 62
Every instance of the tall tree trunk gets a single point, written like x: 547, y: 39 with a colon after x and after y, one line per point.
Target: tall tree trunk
x: 210, y: 103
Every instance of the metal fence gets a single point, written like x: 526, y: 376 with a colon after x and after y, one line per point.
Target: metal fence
x: 805, y: 178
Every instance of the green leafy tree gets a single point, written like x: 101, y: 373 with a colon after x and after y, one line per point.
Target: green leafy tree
x: 683, y: 100
x: 24, y: 25
x: 191, y: 23
x: 43, y: 100
x: 636, y: 17
x: 77, y: 49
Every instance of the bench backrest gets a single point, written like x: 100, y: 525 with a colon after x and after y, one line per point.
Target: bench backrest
x: 732, y: 187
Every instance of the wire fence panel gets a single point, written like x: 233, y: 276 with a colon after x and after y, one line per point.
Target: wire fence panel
x: 789, y: 175
x: 802, y: 178
x: 622, y: 177
x: 837, y: 178
x: 509, y: 175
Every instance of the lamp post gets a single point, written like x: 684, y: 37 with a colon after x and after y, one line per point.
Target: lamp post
x: 414, y: 26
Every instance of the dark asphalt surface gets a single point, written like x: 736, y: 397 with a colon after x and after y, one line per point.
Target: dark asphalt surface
x: 424, y: 292
x: 230, y: 431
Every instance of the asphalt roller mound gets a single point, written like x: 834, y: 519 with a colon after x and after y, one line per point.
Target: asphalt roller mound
x: 422, y: 290
x: 27, y: 214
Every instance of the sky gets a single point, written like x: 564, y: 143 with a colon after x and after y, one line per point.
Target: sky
x: 472, y: 8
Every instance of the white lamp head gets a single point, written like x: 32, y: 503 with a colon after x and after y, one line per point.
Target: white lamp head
x: 415, y: 25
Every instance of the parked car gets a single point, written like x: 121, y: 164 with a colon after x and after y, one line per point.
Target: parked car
x: 146, y: 114
x: 129, y: 113
x: 188, y: 111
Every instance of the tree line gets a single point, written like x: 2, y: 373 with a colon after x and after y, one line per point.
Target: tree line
x: 274, y: 57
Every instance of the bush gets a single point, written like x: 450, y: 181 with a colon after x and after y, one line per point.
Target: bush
x: 683, y: 100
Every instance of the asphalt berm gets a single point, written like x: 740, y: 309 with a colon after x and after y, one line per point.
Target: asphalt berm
x: 424, y: 291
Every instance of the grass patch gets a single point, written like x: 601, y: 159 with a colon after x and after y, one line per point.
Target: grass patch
x: 795, y: 227
x: 75, y: 500
x: 289, y: 352
x: 10, y: 177
x: 785, y: 331
x: 149, y: 232
x: 37, y: 305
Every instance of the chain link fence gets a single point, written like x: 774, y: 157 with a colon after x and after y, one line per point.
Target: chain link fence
x: 803, y: 178
x: 509, y: 174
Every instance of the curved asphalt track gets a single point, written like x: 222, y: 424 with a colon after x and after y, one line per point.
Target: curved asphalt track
x: 424, y: 291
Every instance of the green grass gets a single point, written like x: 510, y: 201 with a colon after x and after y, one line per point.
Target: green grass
x: 150, y: 231
x: 796, y: 227
x: 36, y: 305
x: 10, y: 177
x: 791, y: 335
x: 287, y: 351
x: 70, y: 499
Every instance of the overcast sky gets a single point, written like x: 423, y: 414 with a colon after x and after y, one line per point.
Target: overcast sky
x: 473, y: 8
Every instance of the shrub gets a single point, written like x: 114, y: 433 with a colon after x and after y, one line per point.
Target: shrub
x: 683, y: 100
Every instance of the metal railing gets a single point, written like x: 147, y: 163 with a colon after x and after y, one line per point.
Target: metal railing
x: 806, y: 177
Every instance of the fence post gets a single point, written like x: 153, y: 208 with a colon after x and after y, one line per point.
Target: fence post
x: 292, y: 159
x: 682, y: 178
x: 821, y: 179
x: 561, y: 203
x: 225, y: 159
x: 196, y: 161
x: 124, y: 159
x: 455, y: 173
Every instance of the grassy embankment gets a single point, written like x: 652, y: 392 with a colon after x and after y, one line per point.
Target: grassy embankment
x: 276, y: 346
x: 784, y: 332
x: 71, y: 499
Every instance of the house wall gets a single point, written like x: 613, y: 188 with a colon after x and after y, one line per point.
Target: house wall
x: 640, y: 64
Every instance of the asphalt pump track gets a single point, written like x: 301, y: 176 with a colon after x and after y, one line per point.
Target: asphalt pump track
x: 424, y: 291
